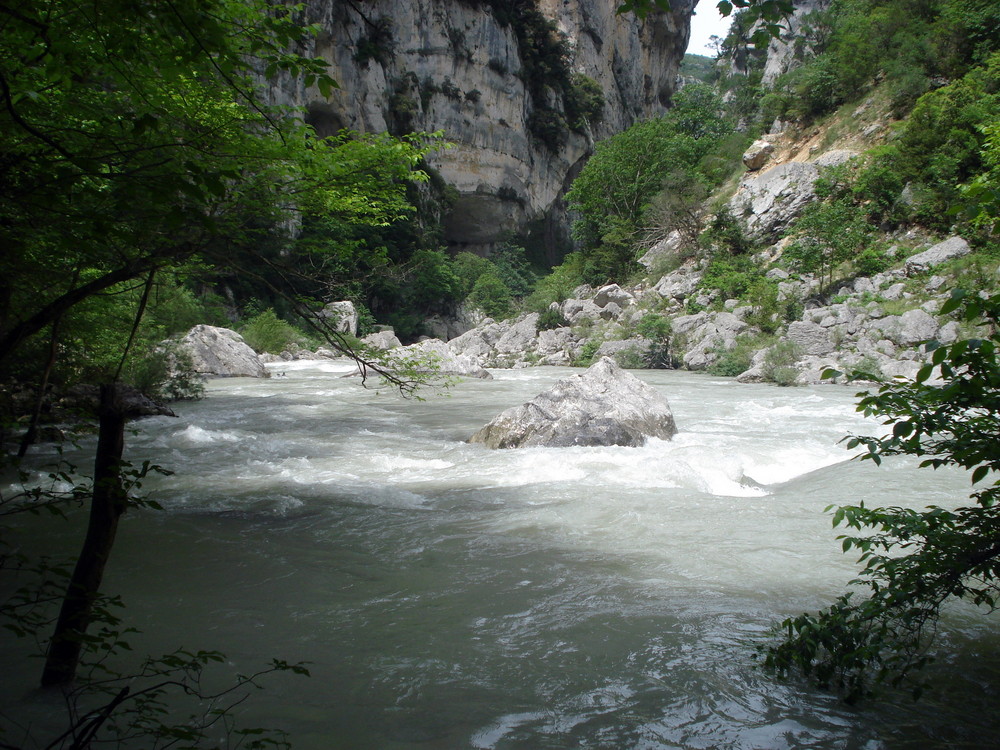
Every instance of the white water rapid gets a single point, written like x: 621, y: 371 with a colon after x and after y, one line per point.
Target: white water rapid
x: 449, y: 596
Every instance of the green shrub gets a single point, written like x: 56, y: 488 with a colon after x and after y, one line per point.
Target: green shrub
x: 558, y: 285
x: 632, y: 359
x: 468, y: 267
x: 727, y: 234
x: 779, y: 363
x: 433, y: 285
x: 872, y: 260
x: 550, y: 318
x: 586, y: 356
x: 584, y: 102
x: 768, y: 311
x: 733, y: 276
x: 731, y: 362
x: 654, y: 327
x: 828, y: 233
x: 492, y: 296
x: 549, y: 127
x: 266, y: 332
x: 510, y: 264
x: 377, y: 44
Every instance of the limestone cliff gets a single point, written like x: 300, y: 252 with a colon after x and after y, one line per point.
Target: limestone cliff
x: 472, y: 69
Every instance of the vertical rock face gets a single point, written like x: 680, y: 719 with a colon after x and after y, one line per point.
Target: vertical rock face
x: 460, y: 67
x: 788, y: 51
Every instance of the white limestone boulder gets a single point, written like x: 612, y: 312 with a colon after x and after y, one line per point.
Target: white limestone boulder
x: 220, y: 352
x: 604, y: 405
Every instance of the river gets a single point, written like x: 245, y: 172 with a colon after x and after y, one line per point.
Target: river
x: 449, y: 596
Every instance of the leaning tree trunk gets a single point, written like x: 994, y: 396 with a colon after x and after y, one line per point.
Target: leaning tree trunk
x: 108, y: 503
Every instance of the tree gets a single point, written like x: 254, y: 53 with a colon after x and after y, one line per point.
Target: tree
x: 134, y: 141
x: 615, y: 187
x: 914, y: 561
x: 829, y: 233
x: 133, y: 138
x: 492, y: 296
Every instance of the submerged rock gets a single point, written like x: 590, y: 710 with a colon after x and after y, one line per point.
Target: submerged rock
x: 603, y: 406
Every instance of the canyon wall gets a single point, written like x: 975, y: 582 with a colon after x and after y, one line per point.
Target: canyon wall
x: 476, y: 70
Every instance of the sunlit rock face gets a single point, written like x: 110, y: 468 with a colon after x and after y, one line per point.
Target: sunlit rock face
x: 604, y: 405
x: 457, y: 66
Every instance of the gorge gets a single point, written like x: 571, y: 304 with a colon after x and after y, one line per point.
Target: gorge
x: 467, y: 198
x: 489, y: 76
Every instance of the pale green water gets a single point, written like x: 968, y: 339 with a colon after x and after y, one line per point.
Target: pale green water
x: 454, y: 597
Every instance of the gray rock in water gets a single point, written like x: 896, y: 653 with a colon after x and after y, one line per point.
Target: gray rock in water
x: 603, y: 406
x: 221, y: 352
x: 434, y: 355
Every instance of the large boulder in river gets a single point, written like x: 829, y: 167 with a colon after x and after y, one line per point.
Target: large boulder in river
x: 434, y: 356
x: 603, y: 406
x: 220, y: 352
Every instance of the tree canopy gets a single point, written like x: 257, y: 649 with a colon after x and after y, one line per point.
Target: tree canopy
x: 615, y: 188
x: 133, y: 138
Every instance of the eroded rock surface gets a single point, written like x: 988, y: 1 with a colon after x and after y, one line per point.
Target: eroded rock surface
x: 220, y: 352
x: 604, y: 405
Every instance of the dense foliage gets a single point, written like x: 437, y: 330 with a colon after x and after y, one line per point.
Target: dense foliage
x: 911, y: 45
x: 915, y: 561
x: 137, y: 151
x: 616, y: 188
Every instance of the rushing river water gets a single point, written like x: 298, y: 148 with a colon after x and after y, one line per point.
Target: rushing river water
x: 449, y: 596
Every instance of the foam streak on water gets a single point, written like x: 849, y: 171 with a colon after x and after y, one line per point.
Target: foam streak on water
x: 450, y: 596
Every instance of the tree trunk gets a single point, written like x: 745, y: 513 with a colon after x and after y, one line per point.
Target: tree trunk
x: 108, y: 503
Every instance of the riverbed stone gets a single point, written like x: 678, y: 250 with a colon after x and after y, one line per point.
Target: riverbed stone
x: 953, y: 247
x: 605, y: 405
x: 769, y: 201
x: 678, y: 285
x: 342, y: 316
x: 435, y: 356
x: 221, y: 352
x: 519, y: 336
x: 916, y: 326
x: 811, y: 338
x: 382, y: 340
x: 575, y: 310
x: 613, y: 293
